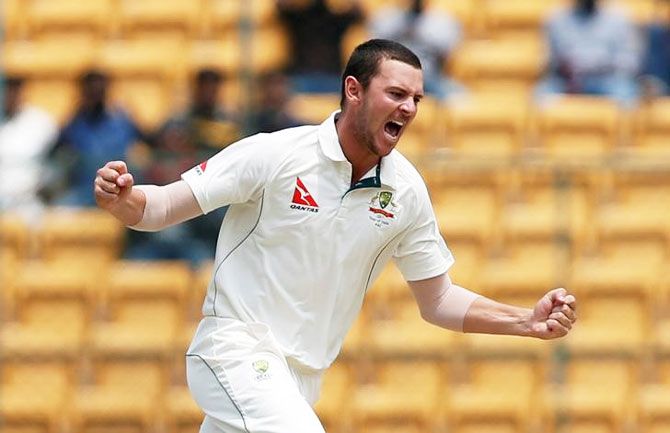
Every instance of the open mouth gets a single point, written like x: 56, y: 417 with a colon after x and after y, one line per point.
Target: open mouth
x: 393, y: 128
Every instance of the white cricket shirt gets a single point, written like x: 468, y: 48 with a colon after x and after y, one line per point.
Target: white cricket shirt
x: 299, y: 246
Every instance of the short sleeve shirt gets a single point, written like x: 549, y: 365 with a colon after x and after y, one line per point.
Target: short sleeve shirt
x: 300, y: 246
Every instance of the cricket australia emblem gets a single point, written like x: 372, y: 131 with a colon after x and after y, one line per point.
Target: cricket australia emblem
x: 261, y: 368
x: 382, y: 209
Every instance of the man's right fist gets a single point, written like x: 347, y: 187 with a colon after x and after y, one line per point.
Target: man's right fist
x: 112, y: 184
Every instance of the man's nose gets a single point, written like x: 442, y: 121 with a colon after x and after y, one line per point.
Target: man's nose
x: 408, y: 107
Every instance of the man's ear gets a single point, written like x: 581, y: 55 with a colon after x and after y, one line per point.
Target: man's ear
x: 353, y: 90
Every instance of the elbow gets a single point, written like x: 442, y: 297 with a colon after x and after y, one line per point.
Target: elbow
x: 429, y: 314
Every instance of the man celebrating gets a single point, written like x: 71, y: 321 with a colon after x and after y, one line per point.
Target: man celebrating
x: 315, y: 213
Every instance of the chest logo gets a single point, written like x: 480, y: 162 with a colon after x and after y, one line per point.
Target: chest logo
x: 382, y: 209
x: 302, y: 199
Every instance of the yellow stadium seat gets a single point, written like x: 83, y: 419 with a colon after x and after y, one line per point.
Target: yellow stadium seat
x: 500, y: 390
x: 314, y: 107
x: 654, y: 408
x: 147, y: 100
x: 469, y: 257
x: 122, y: 392
x: 486, y: 426
x: 544, y: 205
x: 389, y: 287
x: 54, y: 328
x: 21, y: 408
x: 372, y: 6
x: 651, y: 130
x: 143, y: 301
x: 90, y: 18
x: 504, y: 66
x: 406, y: 333
x: 159, y: 15
x: 14, y: 19
x: 466, y: 203
x: 356, y: 34
x: 596, y: 394
x: 58, y: 96
x: 150, y: 57
x: 425, y: 132
x: 86, y: 235
x: 661, y: 335
x: 63, y: 58
x: 486, y: 126
x: 181, y: 411
x: 160, y: 279
x: 576, y: 128
x: 15, y: 236
x: 334, y: 404
x: 619, y: 284
x: 266, y: 51
x: 517, y: 18
x: 523, y: 272
x: 356, y: 339
x: 224, y: 15
x: 399, y: 391
x: 202, y: 276
x: 390, y: 427
x: 50, y: 306
x: 654, y: 400
x: 634, y: 219
x: 462, y: 11
x: 53, y: 280
x: 222, y: 54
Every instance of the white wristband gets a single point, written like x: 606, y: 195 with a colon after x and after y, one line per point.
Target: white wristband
x: 457, y: 302
x: 155, y: 209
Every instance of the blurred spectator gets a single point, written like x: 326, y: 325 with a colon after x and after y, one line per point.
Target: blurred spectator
x: 191, y: 137
x: 593, y: 50
x: 184, y: 141
x: 431, y: 33
x: 656, y: 70
x: 26, y: 136
x: 96, y: 134
x: 273, y: 112
x: 316, y: 34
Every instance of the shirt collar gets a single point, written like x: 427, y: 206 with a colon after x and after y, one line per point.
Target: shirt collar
x: 331, y: 148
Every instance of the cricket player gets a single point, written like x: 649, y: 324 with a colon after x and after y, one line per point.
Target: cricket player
x: 315, y: 212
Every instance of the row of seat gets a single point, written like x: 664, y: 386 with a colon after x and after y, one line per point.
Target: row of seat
x: 493, y: 208
x: 35, y: 18
x: 206, y: 17
x: 523, y: 393
x: 497, y: 125
x: 132, y: 308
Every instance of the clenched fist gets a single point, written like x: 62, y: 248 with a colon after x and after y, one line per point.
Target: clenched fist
x: 112, y: 184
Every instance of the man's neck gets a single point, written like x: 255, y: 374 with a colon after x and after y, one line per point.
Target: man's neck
x: 360, y: 158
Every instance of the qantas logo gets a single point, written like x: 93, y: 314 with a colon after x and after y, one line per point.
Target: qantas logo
x: 200, y: 168
x: 302, y: 199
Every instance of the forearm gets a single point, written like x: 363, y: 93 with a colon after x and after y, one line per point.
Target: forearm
x: 166, y: 206
x: 486, y: 316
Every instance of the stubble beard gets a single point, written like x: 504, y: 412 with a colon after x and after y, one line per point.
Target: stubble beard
x: 362, y: 131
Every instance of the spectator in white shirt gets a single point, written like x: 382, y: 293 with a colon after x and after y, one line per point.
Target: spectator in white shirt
x: 26, y: 135
x: 594, y: 50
